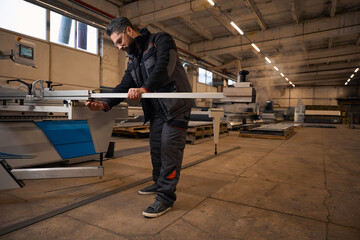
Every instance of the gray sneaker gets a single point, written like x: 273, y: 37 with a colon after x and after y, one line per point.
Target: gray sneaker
x: 156, y: 209
x: 148, y: 190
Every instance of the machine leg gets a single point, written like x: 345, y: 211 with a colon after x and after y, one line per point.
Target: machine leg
x: 7, y: 179
x: 101, y: 159
x: 216, y: 114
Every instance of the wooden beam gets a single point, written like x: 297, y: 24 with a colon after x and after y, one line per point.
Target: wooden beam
x: 196, y: 27
x: 149, y: 11
x: 333, y: 8
x: 223, y: 20
x: 288, y: 34
x: 256, y: 12
x: 295, y: 10
x: 180, y: 40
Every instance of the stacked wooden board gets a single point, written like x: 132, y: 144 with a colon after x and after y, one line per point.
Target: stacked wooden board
x: 269, y: 131
x: 201, y: 131
x: 134, y: 129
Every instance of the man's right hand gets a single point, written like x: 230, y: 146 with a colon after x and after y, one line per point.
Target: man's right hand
x: 95, y: 105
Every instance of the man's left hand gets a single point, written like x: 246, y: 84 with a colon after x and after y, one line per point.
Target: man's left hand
x: 135, y: 93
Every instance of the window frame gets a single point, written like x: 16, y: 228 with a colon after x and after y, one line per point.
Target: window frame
x: 47, y: 23
x: 206, y: 77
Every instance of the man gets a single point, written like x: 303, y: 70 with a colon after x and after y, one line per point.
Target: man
x: 154, y: 66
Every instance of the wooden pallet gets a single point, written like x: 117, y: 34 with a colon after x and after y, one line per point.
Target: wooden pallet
x: 197, y: 131
x: 139, y: 131
x: 203, y: 131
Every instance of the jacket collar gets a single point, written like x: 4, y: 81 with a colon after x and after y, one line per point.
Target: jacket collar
x: 140, y: 42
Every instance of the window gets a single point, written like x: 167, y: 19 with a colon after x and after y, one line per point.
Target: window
x: 205, y: 77
x: 62, y: 31
x: 26, y: 18
x: 87, y: 38
x: 23, y: 17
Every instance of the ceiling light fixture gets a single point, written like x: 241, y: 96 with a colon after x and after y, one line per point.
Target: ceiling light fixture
x: 236, y: 27
x: 356, y: 70
x: 352, y: 75
x: 254, y: 46
x: 211, y: 2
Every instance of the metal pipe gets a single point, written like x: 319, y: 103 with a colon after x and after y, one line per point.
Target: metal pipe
x: 203, y: 66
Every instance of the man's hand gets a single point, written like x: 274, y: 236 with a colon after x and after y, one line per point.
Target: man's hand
x: 95, y: 105
x: 135, y: 93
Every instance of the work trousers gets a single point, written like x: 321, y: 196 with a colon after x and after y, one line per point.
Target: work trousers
x: 167, y: 143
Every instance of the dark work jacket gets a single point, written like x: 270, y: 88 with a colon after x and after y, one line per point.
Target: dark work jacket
x: 155, y: 66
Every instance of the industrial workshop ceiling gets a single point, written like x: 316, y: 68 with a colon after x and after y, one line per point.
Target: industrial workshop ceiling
x: 312, y: 42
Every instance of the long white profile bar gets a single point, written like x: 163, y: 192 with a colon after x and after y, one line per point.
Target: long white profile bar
x: 34, y: 108
x: 161, y: 95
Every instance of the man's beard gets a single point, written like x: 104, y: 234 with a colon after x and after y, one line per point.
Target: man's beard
x: 131, y: 46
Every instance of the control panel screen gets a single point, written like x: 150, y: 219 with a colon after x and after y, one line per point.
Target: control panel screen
x: 26, y: 51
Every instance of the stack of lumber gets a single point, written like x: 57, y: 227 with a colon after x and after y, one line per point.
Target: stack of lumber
x: 201, y: 131
x: 134, y: 129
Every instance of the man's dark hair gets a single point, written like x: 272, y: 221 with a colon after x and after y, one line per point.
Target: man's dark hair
x: 118, y: 25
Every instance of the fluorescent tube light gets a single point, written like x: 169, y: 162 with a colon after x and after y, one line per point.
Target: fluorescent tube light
x: 254, y: 46
x: 267, y: 59
x: 237, y: 28
x: 211, y: 2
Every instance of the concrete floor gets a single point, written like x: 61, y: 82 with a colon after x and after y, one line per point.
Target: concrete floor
x: 306, y: 187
